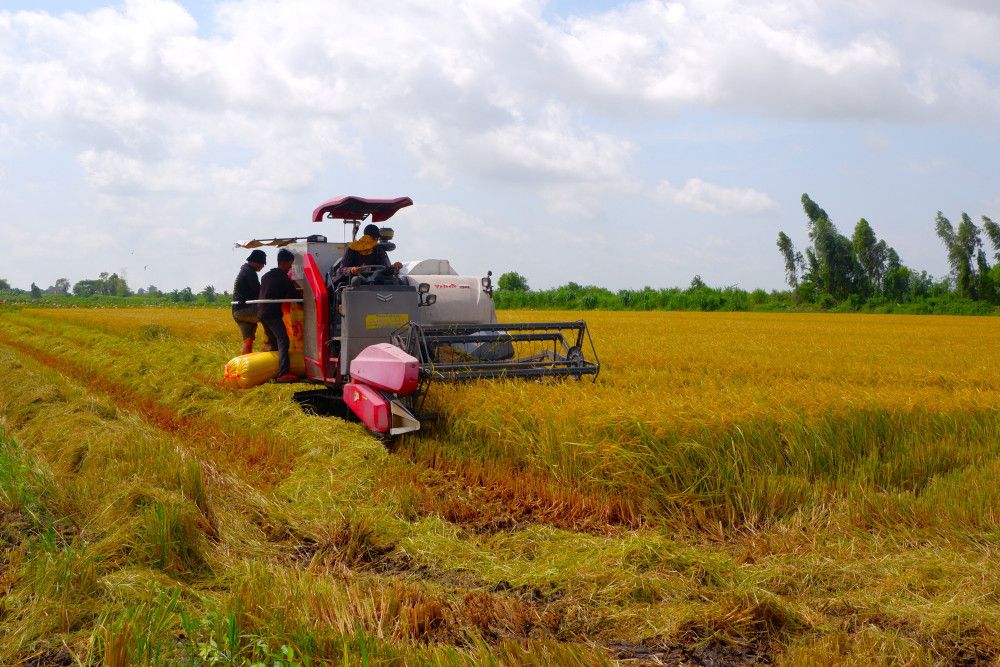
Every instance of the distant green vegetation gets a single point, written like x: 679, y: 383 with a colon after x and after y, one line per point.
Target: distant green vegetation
x: 698, y: 296
x: 108, y: 290
x: 833, y: 273
x: 103, y: 301
x: 863, y: 270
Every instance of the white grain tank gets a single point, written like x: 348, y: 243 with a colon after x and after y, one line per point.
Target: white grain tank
x: 460, y: 299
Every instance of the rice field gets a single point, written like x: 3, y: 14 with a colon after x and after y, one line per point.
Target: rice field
x: 734, y: 489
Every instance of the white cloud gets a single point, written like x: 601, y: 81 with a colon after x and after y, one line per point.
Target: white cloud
x: 143, y: 72
x: 67, y: 237
x: 800, y: 60
x: 114, y: 171
x: 551, y: 150
x: 147, y: 99
x: 720, y: 54
x: 168, y: 119
x: 468, y: 241
x: 927, y: 166
x: 705, y: 197
x: 434, y: 221
x: 584, y: 200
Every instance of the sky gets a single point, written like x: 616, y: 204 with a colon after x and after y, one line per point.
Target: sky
x: 618, y: 144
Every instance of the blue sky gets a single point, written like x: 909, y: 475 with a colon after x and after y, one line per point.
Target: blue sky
x: 619, y: 144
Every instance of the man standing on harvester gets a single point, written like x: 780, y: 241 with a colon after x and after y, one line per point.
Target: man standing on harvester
x: 277, y: 285
x: 246, y: 288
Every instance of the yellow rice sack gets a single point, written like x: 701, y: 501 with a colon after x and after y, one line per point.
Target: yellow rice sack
x: 294, y: 319
x: 250, y: 370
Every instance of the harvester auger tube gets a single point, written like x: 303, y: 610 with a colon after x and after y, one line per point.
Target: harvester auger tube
x: 510, y: 350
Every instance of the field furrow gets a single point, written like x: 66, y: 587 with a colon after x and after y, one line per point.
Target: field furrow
x: 466, y: 492
x: 197, y: 527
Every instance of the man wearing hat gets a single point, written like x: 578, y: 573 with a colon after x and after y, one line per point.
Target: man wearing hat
x: 246, y: 288
x: 365, y: 252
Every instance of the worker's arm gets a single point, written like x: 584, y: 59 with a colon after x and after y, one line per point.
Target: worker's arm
x: 383, y: 260
x: 350, y: 261
x: 292, y: 290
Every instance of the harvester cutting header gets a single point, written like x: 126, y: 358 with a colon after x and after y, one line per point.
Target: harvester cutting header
x: 377, y: 335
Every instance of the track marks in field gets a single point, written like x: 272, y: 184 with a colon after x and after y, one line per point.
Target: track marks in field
x: 447, y: 607
x: 479, y: 497
x: 412, y: 603
x: 488, y: 499
x: 469, y: 494
x: 255, y: 453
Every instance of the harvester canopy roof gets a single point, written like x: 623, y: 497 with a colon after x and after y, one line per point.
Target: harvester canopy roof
x: 278, y: 243
x: 359, y: 208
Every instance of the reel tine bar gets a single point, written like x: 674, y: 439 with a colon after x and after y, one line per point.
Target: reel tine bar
x: 485, y: 351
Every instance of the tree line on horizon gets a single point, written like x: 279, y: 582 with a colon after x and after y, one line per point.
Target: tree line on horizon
x: 832, y: 272
x: 111, y: 285
x: 864, y: 269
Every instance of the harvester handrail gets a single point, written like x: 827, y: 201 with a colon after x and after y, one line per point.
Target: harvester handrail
x: 253, y: 301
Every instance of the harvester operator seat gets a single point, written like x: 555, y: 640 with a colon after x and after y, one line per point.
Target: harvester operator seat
x: 367, y: 275
x: 376, y: 275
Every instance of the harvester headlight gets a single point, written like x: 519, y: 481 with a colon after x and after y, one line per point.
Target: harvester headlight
x: 430, y: 299
x: 424, y: 288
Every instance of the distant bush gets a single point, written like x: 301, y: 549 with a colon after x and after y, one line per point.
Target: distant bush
x: 159, y: 300
x: 572, y: 296
x: 700, y: 297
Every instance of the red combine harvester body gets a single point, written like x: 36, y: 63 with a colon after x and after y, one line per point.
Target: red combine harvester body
x: 377, y: 340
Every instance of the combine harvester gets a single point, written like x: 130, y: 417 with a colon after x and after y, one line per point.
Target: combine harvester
x: 377, y: 340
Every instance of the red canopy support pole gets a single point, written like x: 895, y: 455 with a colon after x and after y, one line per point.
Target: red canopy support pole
x: 316, y: 365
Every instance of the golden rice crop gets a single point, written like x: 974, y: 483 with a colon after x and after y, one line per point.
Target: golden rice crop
x: 801, y: 489
x: 672, y: 369
x: 766, y: 405
x: 735, y: 417
x: 809, y: 395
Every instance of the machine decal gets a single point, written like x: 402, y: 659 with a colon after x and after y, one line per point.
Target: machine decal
x: 386, y: 320
x: 384, y: 298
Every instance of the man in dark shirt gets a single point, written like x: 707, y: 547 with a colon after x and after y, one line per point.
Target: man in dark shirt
x: 277, y: 285
x: 246, y: 288
x: 365, y: 252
